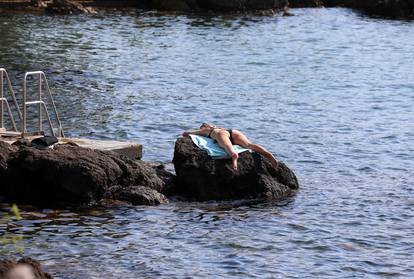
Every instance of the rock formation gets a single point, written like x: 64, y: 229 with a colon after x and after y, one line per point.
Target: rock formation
x: 68, y: 7
x: 216, y: 5
x: 199, y: 177
x: 74, y: 175
x: 387, y: 8
x: 384, y: 8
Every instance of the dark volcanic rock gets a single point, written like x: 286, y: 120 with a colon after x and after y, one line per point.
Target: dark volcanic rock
x: 39, y: 3
x: 5, y: 151
x: 136, y: 195
x: 68, y: 7
x: 265, y: 4
x: 338, y: 3
x: 202, y: 178
x: 305, y: 3
x: 74, y: 175
x: 320, y: 3
x: 167, y: 177
x: 175, y: 5
x: 387, y: 8
x: 216, y: 5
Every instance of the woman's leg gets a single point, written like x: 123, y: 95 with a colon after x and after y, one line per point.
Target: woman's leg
x: 223, y: 139
x: 240, y: 139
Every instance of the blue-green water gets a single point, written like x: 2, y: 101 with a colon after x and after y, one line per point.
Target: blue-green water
x: 329, y: 91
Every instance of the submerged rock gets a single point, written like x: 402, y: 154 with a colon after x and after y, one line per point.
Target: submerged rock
x: 136, y: 195
x: 74, y: 175
x: 200, y: 177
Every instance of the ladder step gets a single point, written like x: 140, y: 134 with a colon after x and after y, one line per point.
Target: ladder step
x: 35, y: 103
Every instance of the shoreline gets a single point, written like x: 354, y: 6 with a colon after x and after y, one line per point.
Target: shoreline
x: 393, y: 9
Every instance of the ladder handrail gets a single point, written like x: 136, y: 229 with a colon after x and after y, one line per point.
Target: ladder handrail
x: 41, y: 77
x: 5, y: 75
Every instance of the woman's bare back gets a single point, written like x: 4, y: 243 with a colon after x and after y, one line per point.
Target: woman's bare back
x: 227, y: 138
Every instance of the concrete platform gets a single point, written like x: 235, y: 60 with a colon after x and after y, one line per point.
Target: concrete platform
x: 129, y: 149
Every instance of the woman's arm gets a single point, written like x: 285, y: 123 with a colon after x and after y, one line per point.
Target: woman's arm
x: 200, y: 132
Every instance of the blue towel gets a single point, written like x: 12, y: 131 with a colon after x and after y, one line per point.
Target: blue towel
x: 212, y: 148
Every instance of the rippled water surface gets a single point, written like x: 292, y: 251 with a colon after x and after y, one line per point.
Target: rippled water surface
x: 329, y: 91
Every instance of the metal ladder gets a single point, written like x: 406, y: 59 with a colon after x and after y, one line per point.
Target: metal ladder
x: 3, y: 101
x: 41, y: 79
x: 41, y: 82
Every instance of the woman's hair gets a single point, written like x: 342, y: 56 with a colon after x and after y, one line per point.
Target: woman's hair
x: 206, y: 124
x: 6, y: 266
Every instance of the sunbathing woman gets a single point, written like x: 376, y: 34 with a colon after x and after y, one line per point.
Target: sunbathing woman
x: 226, y: 139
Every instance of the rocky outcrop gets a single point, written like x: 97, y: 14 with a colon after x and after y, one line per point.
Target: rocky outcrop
x: 74, y: 175
x: 201, y: 178
x: 173, y: 5
x: 39, y: 3
x: 387, y: 8
x: 305, y: 3
x: 5, y: 151
x: 216, y: 5
x: 68, y: 7
x: 320, y: 3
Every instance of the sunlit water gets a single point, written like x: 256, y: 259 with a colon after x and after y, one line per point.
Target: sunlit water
x: 329, y: 91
